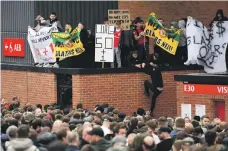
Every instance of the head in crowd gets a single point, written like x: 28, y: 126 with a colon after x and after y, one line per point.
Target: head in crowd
x: 73, y: 139
x: 164, y: 133
x: 205, y: 120
x: 219, y: 14
x: 106, y: 22
x: 120, y: 130
x: 38, y: 19
x: 68, y: 27
x: 53, y: 16
x: 138, y: 22
x: 148, y: 143
x: 96, y: 134
x: 118, y: 24
x: 173, y: 24
x: 179, y: 123
x: 162, y: 122
x: 119, y: 141
x: 80, y: 25
x: 187, y: 120
x: 134, y: 53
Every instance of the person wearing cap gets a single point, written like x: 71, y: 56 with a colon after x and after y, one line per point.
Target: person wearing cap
x: 40, y: 23
x: 166, y: 141
x: 97, y: 140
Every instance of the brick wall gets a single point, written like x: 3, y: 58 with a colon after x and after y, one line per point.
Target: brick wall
x: 32, y: 87
x: 174, y: 10
x: 124, y: 91
x: 193, y: 99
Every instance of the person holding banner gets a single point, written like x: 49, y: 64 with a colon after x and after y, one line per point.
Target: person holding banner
x: 117, y: 51
x: 52, y: 20
x: 142, y: 41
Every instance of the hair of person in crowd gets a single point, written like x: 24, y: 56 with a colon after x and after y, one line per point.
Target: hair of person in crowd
x: 87, y: 147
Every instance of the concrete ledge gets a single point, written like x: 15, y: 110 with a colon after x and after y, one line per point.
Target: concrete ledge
x: 87, y: 71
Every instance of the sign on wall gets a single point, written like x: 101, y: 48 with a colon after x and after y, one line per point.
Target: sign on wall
x: 120, y: 15
x: 104, y: 43
x: 200, y: 110
x: 41, y: 44
x: 207, y: 47
x: 13, y: 47
x: 186, y: 110
x: 205, y: 89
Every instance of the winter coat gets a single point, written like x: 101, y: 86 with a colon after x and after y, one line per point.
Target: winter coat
x: 22, y: 144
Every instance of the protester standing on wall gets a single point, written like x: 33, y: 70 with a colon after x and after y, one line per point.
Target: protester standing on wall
x: 40, y: 23
x: 181, y: 54
x: 142, y: 40
x: 52, y: 19
x: 117, y: 51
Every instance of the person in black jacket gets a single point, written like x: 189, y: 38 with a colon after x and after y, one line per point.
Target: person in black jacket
x: 133, y: 60
x: 219, y: 17
x: 151, y: 68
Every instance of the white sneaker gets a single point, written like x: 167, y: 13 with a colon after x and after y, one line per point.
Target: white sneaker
x: 47, y: 65
x: 55, y: 65
x: 40, y: 65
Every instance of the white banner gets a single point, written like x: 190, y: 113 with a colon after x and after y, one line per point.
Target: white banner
x: 41, y: 44
x: 207, y: 47
x: 104, y: 43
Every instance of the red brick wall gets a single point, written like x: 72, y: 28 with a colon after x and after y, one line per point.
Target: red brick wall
x: 32, y: 87
x: 124, y: 91
x: 193, y: 99
x: 174, y: 10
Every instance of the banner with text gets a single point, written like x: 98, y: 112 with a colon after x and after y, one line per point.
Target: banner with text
x: 166, y: 38
x: 207, y: 47
x: 41, y: 45
x: 67, y: 44
x: 104, y: 43
x: 120, y: 15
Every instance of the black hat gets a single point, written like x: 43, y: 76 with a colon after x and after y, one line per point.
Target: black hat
x: 164, y: 129
x: 97, y: 131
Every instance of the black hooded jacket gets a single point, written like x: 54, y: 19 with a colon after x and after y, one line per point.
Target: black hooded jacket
x: 219, y: 11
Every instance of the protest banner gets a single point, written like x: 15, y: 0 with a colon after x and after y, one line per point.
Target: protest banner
x: 67, y: 44
x: 41, y: 45
x: 120, y: 15
x: 167, y: 39
x: 207, y: 47
x: 104, y: 43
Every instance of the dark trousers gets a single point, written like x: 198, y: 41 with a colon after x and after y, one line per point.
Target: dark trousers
x: 125, y: 52
x: 143, y: 51
x: 149, y: 86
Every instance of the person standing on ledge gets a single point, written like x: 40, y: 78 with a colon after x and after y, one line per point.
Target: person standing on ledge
x: 151, y: 68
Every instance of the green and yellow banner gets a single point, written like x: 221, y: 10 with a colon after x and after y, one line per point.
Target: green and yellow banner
x: 166, y: 38
x: 67, y: 44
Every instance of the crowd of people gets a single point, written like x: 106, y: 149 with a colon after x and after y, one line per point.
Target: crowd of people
x: 37, y: 128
